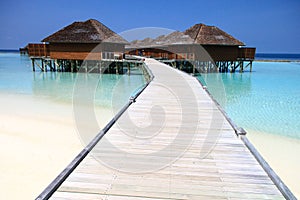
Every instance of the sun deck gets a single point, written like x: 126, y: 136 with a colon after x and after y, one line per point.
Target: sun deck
x: 195, y: 152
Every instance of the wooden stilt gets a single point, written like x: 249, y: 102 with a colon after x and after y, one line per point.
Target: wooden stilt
x: 117, y: 68
x: 128, y: 65
x: 54, y: 65
x: 72, y: 66
x: 100, y: 67
x: 33, y: 64
x: 242, y: 67
x: 43, y: 66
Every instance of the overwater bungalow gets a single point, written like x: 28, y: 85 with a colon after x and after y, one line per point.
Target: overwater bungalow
x: 207, y: 48
x: 24, y: 50
x: 66, y: 49
x: 200, y: 48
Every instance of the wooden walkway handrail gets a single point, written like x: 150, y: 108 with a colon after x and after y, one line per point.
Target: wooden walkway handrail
x: 238, y: 130
x: 52, y: 187
x: 286, y: 192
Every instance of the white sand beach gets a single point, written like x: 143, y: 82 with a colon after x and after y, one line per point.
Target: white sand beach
x: 38, y: 139
x: 282, y: 154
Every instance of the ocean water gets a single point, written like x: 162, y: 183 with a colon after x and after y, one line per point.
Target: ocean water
x: 282, y: 56
x: 16, y: 77
x: 266, y: 100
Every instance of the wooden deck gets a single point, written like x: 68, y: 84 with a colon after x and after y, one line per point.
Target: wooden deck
x: 193, y: 154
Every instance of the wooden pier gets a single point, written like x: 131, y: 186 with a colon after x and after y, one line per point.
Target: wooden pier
x: 206, y: 158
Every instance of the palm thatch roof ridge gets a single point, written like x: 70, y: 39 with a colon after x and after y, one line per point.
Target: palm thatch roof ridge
x: 211, y: 35
x: 90, y: 31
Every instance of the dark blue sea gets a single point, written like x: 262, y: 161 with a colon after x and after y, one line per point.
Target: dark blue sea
x: 282, y: 56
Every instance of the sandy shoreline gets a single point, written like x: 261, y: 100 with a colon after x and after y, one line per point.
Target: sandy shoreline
x: 282, y: 154
x: 38, y: 139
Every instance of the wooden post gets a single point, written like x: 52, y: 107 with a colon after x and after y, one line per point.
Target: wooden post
x: 71, y: 65
x: 43, y: 66
x: 234, y: 65
x: 33, y: 65
x: 76, y: 65
x: 61, y: 64
x: 117, y: 68
x: 242, y: 67
x: 122, y: 67
x: 57, y: 66
x: 128, y: 65
x: 50, y: 64
x: 100, y: 67
x: 251, y: 66
x: 54, y: 65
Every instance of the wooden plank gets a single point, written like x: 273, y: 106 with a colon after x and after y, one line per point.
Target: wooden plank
x: 227, y: 171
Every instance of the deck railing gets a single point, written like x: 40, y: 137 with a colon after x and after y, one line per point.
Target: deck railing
x: 55, y: 184
x: 246, y: 53
x: 38, y: 50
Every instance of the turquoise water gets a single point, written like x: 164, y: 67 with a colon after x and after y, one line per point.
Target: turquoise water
x: 266, y: 100
x: 16, y: 77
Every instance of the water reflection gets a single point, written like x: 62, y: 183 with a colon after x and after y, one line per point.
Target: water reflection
x: 232, y: 85
x: 59, y: 86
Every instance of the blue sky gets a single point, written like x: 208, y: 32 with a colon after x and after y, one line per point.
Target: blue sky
x: 270, y: 25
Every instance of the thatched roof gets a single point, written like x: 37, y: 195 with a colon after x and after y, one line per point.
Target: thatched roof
x: 197, y: 34
x: 162, y: 40
x: 90, y: 31
x: 211, y: 35
x: 174, y: 38
x: 139, y: 43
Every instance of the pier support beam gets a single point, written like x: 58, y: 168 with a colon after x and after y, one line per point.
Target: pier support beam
x: 43, y: 66
x: 33, y: 64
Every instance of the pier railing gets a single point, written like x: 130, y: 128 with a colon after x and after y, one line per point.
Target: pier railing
x: 54, y: 185
x: 38, y: 50
x: 241, y: 133
x: 246, y: 53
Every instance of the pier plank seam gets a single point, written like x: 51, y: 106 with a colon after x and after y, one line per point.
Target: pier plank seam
x: 229, y: 171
